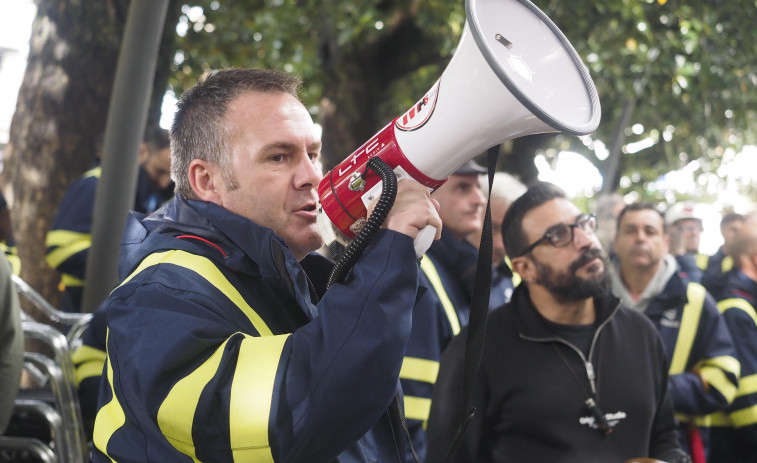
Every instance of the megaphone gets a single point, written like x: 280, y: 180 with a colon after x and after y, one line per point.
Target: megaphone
x: 513, y: 74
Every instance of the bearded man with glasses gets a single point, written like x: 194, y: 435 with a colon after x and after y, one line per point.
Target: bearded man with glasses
x: 567, y: 374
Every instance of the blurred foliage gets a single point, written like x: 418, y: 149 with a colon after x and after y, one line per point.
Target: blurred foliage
x: 686, y: 66
x: 293, y: 35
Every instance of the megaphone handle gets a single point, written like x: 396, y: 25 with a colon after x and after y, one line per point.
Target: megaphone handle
x: 423, y: 240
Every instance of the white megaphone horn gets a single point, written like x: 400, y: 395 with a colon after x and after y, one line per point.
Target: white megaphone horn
x: 513, y: 74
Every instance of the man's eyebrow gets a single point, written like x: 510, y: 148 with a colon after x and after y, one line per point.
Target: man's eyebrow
x: 286, y: 146
x: 558, y: 225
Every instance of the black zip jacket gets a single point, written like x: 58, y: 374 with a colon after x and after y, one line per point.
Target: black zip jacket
x: 533, y: 388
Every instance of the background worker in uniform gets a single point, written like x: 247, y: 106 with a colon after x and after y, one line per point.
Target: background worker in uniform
x: 721, y: 262
x: 683, y: 217
x: 703, y: 371
x: 505, y: 190
x: 734, y: 431
x: 448, y: 271
x: 69, y: 238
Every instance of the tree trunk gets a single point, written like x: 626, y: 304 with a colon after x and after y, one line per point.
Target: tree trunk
x: 61, y: 112
x: 358, y: 76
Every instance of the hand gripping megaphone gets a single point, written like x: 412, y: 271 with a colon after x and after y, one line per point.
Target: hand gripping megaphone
x: 513, y: 74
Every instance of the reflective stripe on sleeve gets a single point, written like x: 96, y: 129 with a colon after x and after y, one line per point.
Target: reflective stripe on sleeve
x: 70, y: 281
x: 422, y: 370
x: 88, y: 362
x: 418, y: 369
x: 251, y: 397
x: 66, y: 243
x: 747, y: 385
x: 417, y: 408
x: 714, y: 372
x: 430, y: 270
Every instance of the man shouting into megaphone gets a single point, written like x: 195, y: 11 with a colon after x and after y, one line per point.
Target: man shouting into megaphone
x: 218, y: 345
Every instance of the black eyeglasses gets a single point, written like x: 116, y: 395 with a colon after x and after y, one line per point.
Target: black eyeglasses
x: 562, y: 235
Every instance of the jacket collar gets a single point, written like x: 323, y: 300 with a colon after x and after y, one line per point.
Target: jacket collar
x: 738, y: 284
x: 245, y: 244
x: 673, y: 295
x: 532, y: 324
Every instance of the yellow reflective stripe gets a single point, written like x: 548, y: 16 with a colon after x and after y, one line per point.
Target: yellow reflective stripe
x: 737, y: 419
x: 726, y: 264
x: 15, y: 262
x: 91, y: 369
x: 430, y: 270
x: 206, y: 269
x: 252, y: 395
x: 110, y: 417
x: 417, y: 408
x: 418, y: 369
x: 70, y: 281
x: 702, y: 260
x: 747, y: 385
x: 737, y: 303
x: 744, y: 417
x: 176, y: 413
x: 714, y: 372
x: 67, y: 244
x: 65, y: 237
x: 688, y: 329
x: 88, y: 362
x: 93, y: 172
x: 717, y: 419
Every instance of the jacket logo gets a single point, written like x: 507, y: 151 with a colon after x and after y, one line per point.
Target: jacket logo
x: 670, y: 319
x: 612, y: 419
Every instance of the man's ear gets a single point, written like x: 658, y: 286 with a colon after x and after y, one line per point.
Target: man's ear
x: 202, y: 178
x: 144, y: 152
x: 524, y: 267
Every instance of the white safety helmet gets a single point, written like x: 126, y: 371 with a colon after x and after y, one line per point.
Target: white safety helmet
x: 681, y: 211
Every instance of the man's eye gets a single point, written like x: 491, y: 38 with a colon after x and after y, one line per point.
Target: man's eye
x: 277, y: 158
x: 559, y: 234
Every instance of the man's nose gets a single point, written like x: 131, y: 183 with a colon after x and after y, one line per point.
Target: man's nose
x: 478, y: 197
x: 308, y: 174
x: 582, y: 238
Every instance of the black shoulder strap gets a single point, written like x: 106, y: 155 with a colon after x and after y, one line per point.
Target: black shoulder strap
x: 479, y: 310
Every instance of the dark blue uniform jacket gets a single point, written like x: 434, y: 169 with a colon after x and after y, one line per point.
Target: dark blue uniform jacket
x: 217, y: 352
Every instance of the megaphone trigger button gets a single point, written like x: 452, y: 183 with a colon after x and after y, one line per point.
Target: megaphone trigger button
x: 357, y: 182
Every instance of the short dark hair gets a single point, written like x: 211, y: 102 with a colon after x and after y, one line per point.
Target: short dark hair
x: 634, y: 207
x: 157, y: 139
x: 515, y: 238
x: 731, y: 217
x: 198, y: 130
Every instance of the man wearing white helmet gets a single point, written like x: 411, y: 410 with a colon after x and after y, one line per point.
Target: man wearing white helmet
x: 686, y: 231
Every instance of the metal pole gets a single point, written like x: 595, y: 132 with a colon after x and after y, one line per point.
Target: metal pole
x: 124, y: 130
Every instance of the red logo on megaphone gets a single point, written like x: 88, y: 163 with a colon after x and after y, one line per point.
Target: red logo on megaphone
x: 421, y: 112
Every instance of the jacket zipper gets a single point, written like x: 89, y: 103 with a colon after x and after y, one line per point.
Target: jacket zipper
x: 587, y: 362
